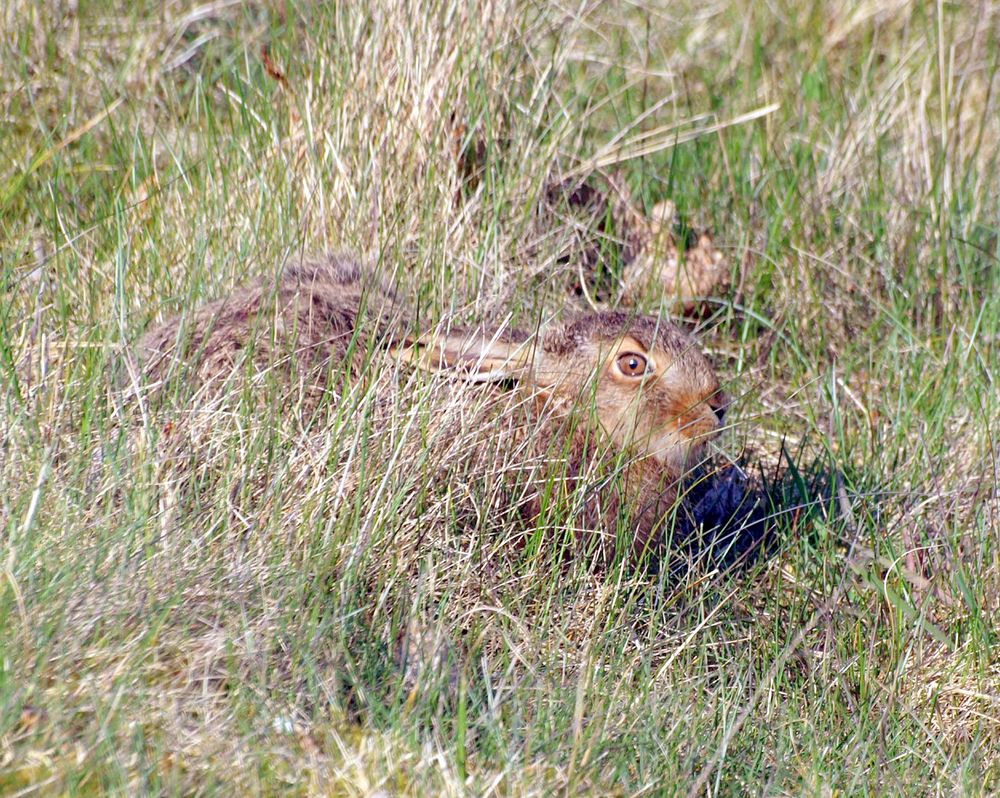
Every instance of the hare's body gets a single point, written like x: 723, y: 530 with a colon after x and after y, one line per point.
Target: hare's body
x: 319, y: 313
x: 610, y: 408
x: 611, y: 492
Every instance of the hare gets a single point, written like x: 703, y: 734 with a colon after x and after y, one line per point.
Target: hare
x: 615, y: 406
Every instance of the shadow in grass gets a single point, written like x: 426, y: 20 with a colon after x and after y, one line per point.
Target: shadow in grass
x: 732, y: 518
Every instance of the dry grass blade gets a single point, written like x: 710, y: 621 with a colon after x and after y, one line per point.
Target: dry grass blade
x: 663, y: 138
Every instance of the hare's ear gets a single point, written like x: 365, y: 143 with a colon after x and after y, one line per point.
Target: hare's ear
x: 475, y: 356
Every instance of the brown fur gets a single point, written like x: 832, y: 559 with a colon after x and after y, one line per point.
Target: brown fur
x: 616, y: 443
x: 618, y: 492
x: 320, y: 313
x: 678, y: 404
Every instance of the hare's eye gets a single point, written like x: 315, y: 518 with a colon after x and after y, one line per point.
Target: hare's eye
x: 632, y: 364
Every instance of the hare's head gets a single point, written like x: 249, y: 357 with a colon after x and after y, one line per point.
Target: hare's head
x: 647, y: 383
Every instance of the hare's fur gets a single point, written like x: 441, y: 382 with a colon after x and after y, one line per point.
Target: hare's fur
x: 618, y: 441
x: 320, y: 312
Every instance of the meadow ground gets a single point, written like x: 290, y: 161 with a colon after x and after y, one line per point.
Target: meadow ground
x: 227, y: 621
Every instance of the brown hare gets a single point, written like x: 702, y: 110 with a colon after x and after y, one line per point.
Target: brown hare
x: 611, y: 407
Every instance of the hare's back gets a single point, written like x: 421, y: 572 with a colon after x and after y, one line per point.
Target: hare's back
x: 316, y: 314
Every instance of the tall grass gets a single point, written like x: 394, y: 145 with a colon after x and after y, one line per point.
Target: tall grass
x: 198, y: 617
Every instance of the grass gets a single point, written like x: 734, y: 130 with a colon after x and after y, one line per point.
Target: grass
x: 226, y: 618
